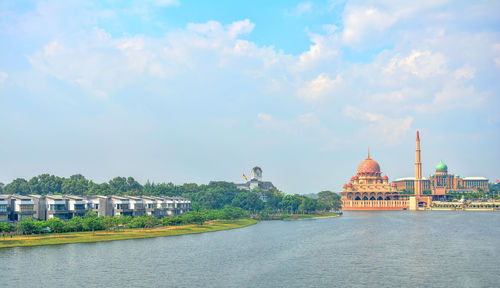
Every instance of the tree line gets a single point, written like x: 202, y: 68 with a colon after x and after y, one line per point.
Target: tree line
x: 215, y: 195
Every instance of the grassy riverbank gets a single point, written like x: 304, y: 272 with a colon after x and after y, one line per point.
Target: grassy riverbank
x: 79, y: 237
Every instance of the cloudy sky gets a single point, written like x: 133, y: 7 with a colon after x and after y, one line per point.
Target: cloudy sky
x: 193, y: 91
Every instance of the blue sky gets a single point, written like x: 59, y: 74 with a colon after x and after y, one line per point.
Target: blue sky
x: 193, y: 91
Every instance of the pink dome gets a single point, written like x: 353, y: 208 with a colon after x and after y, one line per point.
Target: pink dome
x: 368, y: 166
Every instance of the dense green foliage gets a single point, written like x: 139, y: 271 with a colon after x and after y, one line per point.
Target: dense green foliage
x: 91, y: 222
x: 215, y: 195
x: 6, y: 227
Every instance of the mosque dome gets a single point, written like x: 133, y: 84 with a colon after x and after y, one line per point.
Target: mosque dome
x: 368, y: 166
x: 441, y: 167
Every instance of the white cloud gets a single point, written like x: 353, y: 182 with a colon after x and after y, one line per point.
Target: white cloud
x: 102, y: 64
x: 301, y: 9
x: 366, y: 21
x: 362, y: 21
x: 53, y: 49
x: 215, y: 29
x: 422, y: 64
x: 466, y: 72
x: 454, y: 95
x: 385, y: 129
x: 264, y: 117
x: 496, y: 52
x: 398, y: 96
x: 240, y: 27
x: 3, y: 78
x: 323, y: 50
x: 319, y: 87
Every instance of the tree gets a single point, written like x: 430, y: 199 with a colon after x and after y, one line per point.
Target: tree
x: 6, y: 227
x: 92, y: 224
x: 108, y: 222
x: 274, y: 198
x: 18, y: 186
x: 74, y: 224
x: 122, y: 220
x: 75, y: 185
x: 198, y: 217
x: 45, y: 184
x: 27, y: 226
x: 240, y: 200
x: 56, y: 225
x: 290, y: 203
x: 330, y: 200
x: 254, y: 203
x: 90, y: 214
x: 308, y: 205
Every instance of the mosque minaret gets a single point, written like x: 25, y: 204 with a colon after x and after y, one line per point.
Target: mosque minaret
x: 418, y: 169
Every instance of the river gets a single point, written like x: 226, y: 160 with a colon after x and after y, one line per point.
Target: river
x: 358, y: 249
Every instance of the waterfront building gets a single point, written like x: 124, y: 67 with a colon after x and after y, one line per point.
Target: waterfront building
x: 182, y: 205
x: 256, y: 181
x: 14, y: 208
x: 444, y: 180
x: 443, y: 183
x: 4, y: 208
x: 121, y: 206
x: 100, y: 205
x: 21, y: 207
x: 77, y: 205
x: 369, y: 190
x: 56, y: 207
x: 408, y: 184
x: 136, y: 205
x: 161, y: 208
x: 151, y: 206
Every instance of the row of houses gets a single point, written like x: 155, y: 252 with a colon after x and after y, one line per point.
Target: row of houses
x: 14, y: 208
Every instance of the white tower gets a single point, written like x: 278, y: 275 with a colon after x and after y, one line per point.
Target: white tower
x: 257, y: 174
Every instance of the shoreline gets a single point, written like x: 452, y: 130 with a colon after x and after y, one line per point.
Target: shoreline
x: 126, y: 234
x: 310, y: 216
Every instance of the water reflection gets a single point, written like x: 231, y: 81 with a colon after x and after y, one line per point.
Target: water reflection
x: 362, y: 249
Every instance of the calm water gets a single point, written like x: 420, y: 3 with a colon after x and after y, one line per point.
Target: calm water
x: 359, y: 249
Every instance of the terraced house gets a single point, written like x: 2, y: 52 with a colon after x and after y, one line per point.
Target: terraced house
x: 14, y: 208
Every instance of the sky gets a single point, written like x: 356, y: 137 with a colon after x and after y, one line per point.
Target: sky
x: 194, y: 91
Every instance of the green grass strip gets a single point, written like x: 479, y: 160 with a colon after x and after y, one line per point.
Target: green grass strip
x: 99, y: 236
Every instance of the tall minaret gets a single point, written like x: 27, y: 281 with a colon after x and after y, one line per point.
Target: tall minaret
x: 418, y: 169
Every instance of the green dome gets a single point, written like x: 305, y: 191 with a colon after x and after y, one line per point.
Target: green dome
x: 441, y: 167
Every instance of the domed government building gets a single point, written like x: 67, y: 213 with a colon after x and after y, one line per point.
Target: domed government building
x: 443, y: 183
x: 369, y: 190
